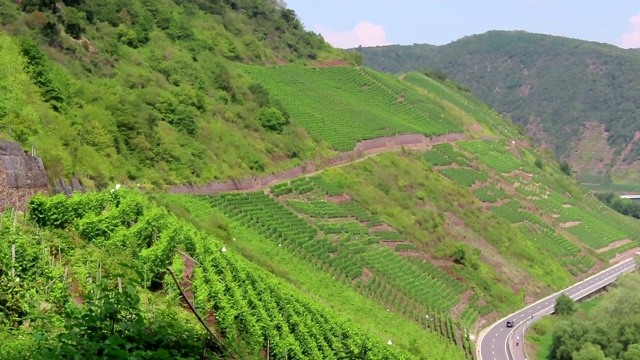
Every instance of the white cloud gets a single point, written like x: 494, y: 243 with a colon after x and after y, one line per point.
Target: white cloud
x: 364, y: 33
x: 631, y: 39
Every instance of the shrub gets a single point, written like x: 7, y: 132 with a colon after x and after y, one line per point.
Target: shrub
x: 272, y: 119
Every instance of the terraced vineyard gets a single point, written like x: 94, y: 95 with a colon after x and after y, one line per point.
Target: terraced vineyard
x: 338, y: 239
x: 490, y: 194
x: 268, y: 316
x: 465, y: 177
x: 445, y: 154
x: 493, y: 154
x: 585, y: 226
x: 348, y: 104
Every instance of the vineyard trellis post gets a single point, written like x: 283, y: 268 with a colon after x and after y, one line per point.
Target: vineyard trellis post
x: 13, y: 260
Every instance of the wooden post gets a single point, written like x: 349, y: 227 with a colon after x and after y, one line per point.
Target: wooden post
x: 13, y: 260
x: 119, y: 284
x: 193, y: 310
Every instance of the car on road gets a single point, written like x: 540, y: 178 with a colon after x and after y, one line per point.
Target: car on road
x: 509, y: 323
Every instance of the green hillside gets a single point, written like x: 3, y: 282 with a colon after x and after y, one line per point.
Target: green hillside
x: 578, y: 97
x: 149, y: 91
x: 399, y: 253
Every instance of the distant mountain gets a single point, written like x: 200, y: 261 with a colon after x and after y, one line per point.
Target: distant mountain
x: 581, y: 98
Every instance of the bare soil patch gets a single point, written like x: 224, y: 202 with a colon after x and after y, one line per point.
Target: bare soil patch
x: 338, y: 199
x: 614, y: 245
x: 464, y: 300
x: 570, y: 224
x: 382, y: 227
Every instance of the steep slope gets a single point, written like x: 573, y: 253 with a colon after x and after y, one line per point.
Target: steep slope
x: 149, y: 91
x: 578, y: 97
x: 406, y: 254
x: 448, y: 238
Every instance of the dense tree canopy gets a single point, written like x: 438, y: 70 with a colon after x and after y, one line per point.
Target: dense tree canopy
x: 610, y: 331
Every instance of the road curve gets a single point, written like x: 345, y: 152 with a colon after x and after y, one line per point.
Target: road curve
x: 499, y: 342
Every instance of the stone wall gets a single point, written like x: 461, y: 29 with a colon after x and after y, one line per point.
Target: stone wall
x: 74, y: 186
x: 21, y: 176
x: 362, y: 149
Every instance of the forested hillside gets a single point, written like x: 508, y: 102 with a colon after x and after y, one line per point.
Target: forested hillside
x: 578, y: 97
x: 148, y: 91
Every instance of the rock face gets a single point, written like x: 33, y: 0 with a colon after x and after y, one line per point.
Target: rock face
x: 21, y: 176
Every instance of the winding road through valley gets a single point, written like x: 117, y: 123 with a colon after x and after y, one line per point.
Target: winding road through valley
x: 498, y: 342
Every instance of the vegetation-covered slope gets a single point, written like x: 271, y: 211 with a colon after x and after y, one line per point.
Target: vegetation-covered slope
x: 404, y: 255
x: 77, y: 258
x: 149, y: 91
x: 571, y: 94
x: 448, y: 238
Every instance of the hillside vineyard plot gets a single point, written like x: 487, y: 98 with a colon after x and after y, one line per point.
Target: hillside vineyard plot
x: 588, y: 228
x: 343, y: 105
x: 479, y: 111
x: 250, y: 305
x: 336, y: 238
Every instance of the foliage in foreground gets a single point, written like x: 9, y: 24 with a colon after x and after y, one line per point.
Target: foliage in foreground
x: 54, y: 305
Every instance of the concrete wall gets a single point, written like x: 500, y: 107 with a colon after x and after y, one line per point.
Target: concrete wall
x: 362, y: 149
x: 21, y: 176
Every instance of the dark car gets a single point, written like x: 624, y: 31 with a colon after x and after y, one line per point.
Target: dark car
x: 509, y: 323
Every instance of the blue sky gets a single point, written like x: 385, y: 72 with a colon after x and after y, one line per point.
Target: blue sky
x: 349, y: 23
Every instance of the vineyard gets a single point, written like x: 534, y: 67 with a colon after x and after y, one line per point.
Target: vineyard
x: 493, y: 154
x: 341, y: 239
x: 476, y: 110
x: 588, y: 228
x: 465, y: 177
x: 490, y: 194
x: 255, y: 313
x: 445, y: 154
x: 349, y: 104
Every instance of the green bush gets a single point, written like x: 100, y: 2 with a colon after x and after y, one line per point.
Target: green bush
x: 272, y: 119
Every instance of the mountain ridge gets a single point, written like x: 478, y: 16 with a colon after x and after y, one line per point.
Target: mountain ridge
x: 551, y: 84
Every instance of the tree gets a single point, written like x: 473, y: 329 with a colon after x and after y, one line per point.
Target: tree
x: 632, y: 353
x: 272, y: 119
x: 565, y: 168
x: 589, y: 351
x: 565, y: 306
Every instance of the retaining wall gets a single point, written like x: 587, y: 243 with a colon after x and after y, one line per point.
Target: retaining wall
x: 21, y: 176
x: 361, y: 150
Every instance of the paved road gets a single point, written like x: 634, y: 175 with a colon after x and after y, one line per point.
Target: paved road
x: 495, y: 341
